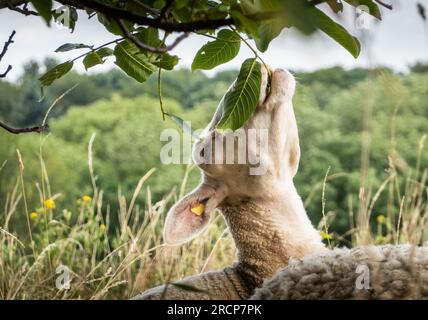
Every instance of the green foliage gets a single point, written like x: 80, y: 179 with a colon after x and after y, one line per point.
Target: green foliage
x: 44, y: 8
x: 139, y: 49
x: 419, y: 67
x: 135, y: 64
x: 242, y: 98
x: 335, y: 31
x: 72, y: 46
x: 96, y: 57
x: 217, y: 52
x: 279, y: 15
x: 167, y: 62
x: 55, y: 73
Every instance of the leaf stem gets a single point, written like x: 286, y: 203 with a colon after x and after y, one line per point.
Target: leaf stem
x: 160, y: 94
x: 97, y: 48
x: 214, y: 37
x: 252, y: 49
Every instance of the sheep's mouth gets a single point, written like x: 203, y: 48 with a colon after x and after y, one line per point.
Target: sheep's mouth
x: 268, y: 84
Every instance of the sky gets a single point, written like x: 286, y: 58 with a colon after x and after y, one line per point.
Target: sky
x: 398, y: 41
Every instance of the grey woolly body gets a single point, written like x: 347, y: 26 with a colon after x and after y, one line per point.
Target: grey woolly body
x: 395, y: 272
x: 261, y: 253
x: 222, y: 285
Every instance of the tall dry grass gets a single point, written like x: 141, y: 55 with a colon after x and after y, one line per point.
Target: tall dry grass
x: 109, y: 263
x: 404, y: 188
x: 104, y: 262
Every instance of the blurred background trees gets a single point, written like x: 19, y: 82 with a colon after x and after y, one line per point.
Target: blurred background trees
x: 125, y: 116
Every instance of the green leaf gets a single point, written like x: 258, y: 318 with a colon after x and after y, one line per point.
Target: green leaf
x: 241, y: 100
x: 335, y: 31
x: 371, y: 5
x: 55, y: 73
x: 217, y: 52
x: 297, y: 14
x: 268, y: 31
x: 245, y: 24
x: 96, y: 57
x: 112, y: 25
x: 132, y: 61
x: 72, y: 46
x: 44, y: 9
x: 105, y: 52
x: 271, y: 16
x: 149, y: 36
x: 92, y: 59
x: 167, y: 61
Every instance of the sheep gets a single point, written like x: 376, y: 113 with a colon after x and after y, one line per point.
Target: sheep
x: 264, y: 212
x: 369, y: 272
x: 280, y: 253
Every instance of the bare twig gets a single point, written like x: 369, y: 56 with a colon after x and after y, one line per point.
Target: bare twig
x: 383, y: 4
x: 24, y: 10
x: 421, y: 11
x: 7, y: 44
x: 3, y: 52
x: 37, y: 129
x: 4, y: 74
x: 316, y: 2
x: 13, y: 3
x: 147, y: 47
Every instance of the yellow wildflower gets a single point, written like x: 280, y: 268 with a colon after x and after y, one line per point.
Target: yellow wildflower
x: 49, y: 203
x: 381, y: 219
x: 103, y: 227
x: 325, y: 235
x: 198, y: 209
x: 86, y: 199
x: 34, y: 215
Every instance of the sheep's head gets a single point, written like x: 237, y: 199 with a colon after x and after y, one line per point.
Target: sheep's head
x: 268, y: 142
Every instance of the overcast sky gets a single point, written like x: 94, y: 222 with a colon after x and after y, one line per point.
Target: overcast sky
x: 399, y: 40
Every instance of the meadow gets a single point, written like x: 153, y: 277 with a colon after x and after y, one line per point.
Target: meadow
x: 91, y: 196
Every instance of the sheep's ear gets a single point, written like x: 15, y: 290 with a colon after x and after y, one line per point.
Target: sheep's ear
x: 189, y: 217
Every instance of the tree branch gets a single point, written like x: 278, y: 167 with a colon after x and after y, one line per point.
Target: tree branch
x: 149, y: 9
x: 24, y: 10
x: 316, y: 2
x: 11, y: 3
x: 6, y: 44
x: 422, y: 11
x: 144, y: 46
x: 37, y: 129
x: 4, y: 74
x: 3, y: 52
x: 383, y: 4
x: 117, y: 13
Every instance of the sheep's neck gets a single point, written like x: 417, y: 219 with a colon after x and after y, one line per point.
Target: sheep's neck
x: 268, y: 235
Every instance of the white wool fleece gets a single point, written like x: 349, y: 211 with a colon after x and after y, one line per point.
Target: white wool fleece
x: 370, y: 272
